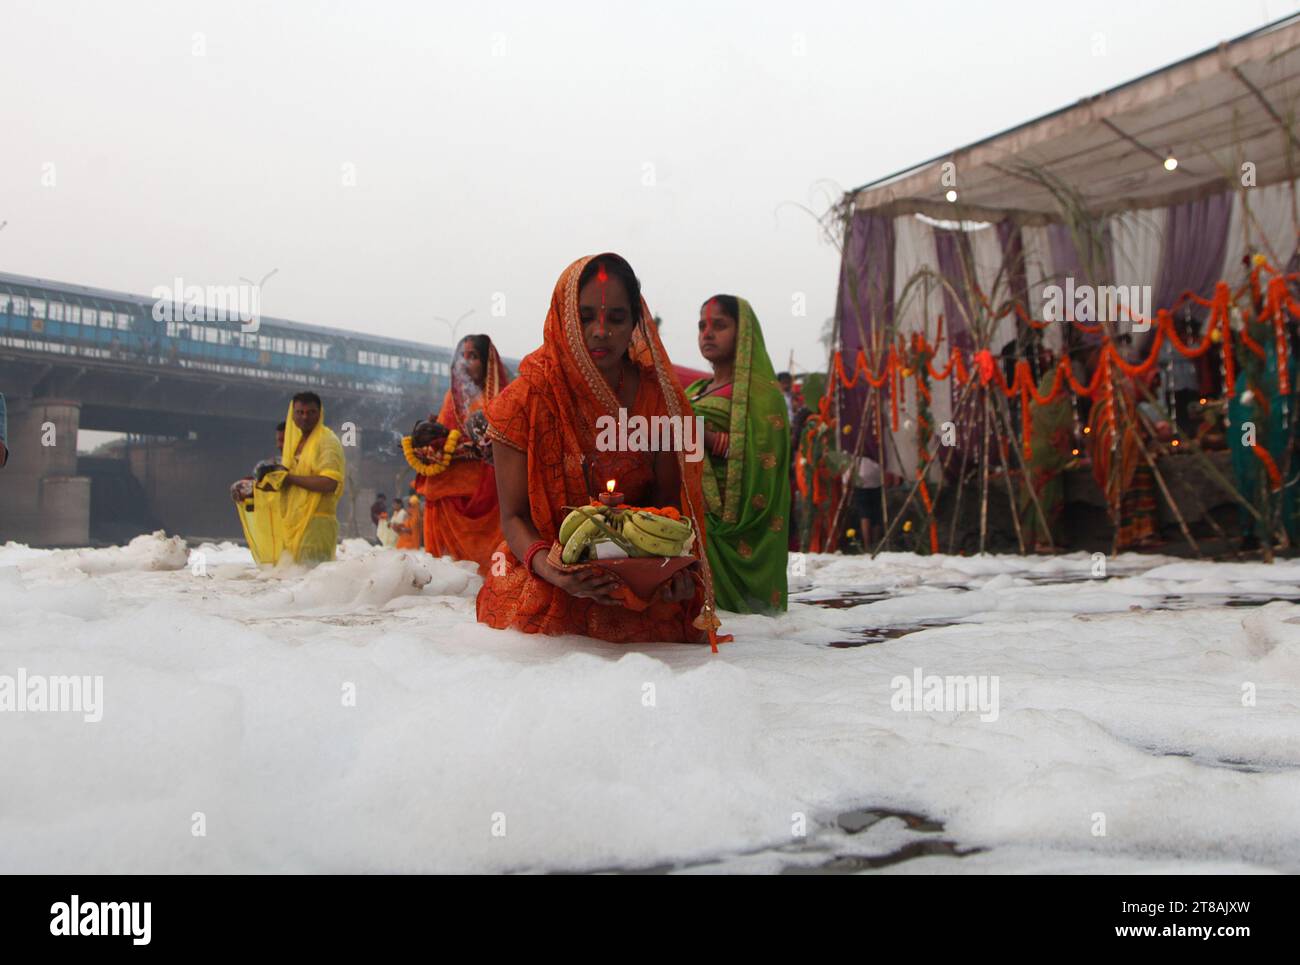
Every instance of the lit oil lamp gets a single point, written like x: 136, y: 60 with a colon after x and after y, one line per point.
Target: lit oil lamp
x: 609, y: 497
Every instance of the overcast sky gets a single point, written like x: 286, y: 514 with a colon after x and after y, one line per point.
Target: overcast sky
x: 490, y: 146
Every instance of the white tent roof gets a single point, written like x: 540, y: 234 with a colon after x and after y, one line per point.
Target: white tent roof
x: 1232, y: 104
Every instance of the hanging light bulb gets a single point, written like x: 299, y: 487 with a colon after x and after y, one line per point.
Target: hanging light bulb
x: 1171, y: 162
x: 951, y: 195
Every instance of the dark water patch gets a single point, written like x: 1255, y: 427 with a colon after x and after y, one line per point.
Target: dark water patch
x: 1211, y: 601
x: 870, y: 635
x: 861, y: 819
x: 852, y: 822
x: 850, y: 863
x: 1259, y: 601
x: 836, y: 862
x: 846, y: 600
x: 1241, y: 765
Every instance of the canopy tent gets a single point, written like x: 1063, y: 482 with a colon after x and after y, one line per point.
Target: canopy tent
x: 1214, y: 111
x: 1227, y: 115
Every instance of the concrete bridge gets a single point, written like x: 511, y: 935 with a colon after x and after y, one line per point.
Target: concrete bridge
x: 198, y: 393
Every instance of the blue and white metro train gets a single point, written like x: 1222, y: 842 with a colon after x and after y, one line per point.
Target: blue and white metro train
x: 49, y: 316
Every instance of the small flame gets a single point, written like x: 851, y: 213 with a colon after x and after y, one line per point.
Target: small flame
x: 609, y: 485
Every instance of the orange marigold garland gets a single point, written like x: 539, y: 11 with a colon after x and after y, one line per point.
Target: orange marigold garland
x: 430, y: 464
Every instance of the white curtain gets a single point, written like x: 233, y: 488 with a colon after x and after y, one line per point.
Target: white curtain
x: 986, y: 252
x: 1137, y: 241
x: 1270, y: 226
x: 1038, y: 271
x: 913, y: 250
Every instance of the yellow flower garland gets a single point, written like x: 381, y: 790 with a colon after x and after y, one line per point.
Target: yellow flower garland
x: 442, y: 461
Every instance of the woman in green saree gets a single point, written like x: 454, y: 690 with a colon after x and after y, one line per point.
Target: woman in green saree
x: 747, y: 472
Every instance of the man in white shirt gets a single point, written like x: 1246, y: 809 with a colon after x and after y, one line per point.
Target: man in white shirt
x: 867, y: 482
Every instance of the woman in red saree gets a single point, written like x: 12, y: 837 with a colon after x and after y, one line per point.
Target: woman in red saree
x: 461, y: 516
x: 600, y: 353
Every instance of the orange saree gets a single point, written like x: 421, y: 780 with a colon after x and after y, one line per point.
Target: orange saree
x: 461, y: 517
x: 549, y: 413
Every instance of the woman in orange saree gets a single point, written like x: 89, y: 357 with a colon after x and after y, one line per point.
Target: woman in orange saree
x: 600, y: 354
x: 461, y: 516
x: 1123, y: 431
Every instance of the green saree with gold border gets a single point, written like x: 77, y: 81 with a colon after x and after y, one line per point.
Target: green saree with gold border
x: 747, y: 492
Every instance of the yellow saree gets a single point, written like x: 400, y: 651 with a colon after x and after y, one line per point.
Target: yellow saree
x: 291, y: 519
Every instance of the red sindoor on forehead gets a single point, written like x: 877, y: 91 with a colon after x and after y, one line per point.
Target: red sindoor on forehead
x: 602, y: 279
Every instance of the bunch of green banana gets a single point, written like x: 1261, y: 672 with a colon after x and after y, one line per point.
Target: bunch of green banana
x: 588, y: 526
x: 656, y: 535
x: 578, y: 531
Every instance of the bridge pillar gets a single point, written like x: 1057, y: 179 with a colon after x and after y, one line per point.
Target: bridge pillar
x: 43, y: 502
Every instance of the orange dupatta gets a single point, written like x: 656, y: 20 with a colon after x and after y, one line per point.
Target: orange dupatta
x: 461, y: 516
x: 549, y: 413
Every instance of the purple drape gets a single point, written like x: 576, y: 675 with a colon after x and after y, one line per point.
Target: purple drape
x: 865, y: 305
x: 1065, y: 256
x: 952, y: 254
x: 1013, y: 260
x: 1067, y: 264
x: 1196, y: 242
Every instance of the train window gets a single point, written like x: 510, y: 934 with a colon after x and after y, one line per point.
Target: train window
x: 278, y: 345
x: 105, y: 319
x: 210, y: 335
x: 315, y: 350
x: 56, y: 311
x: 38, y: 308
x: 123, y: 321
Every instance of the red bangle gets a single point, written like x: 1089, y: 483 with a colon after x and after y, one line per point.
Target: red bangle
x: 533, y: 550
